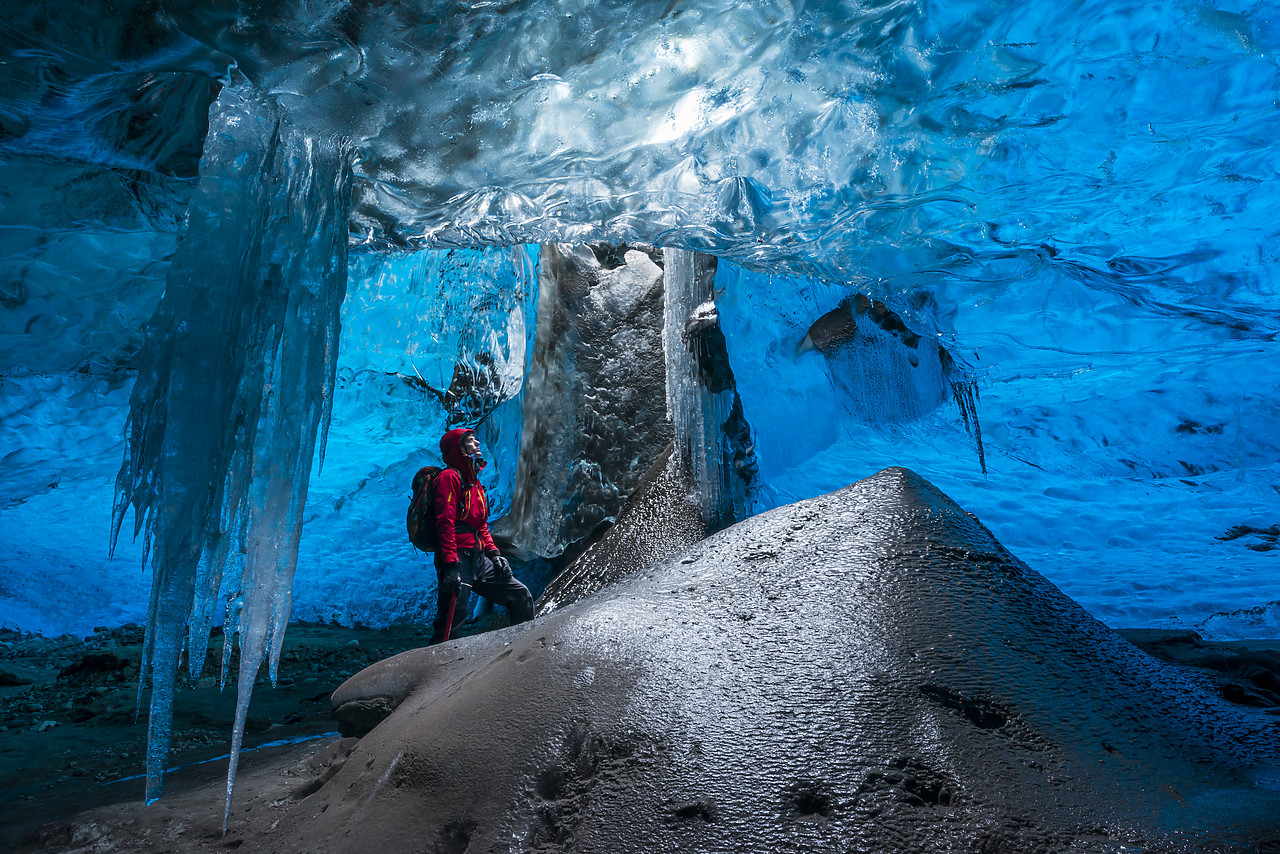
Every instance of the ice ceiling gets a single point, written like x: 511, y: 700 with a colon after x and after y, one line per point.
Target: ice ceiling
x: 1077, y: 199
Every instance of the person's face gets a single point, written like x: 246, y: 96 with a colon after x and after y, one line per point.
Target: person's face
x: 470, y: 445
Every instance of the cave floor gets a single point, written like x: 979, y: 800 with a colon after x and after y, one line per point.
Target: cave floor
x: 71, y: 742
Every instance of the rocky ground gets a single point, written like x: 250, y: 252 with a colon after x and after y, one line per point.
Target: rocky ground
x: 72, y: 741
x: 71, y: 738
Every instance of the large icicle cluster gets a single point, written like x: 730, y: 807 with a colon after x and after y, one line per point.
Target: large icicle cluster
x: 234, y: 385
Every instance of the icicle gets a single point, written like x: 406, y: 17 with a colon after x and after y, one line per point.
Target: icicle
x: 966, y: 395
x: 234, y: 387
x: 712, y: 435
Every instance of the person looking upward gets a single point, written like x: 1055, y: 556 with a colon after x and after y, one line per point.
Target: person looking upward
x: 467, y: 560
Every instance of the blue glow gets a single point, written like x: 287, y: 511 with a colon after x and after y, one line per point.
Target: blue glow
x: 1075, y: 199
x: 1122, y: 443
x: 410, y: 317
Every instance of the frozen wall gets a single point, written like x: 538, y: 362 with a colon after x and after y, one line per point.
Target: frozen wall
x: 595, y: 413
x: 1013, y: 179
x: 713, y: 439
x: 1123, y: 447
x: 415, y: 326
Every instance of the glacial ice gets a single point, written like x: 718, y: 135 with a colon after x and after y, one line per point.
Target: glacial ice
x: 595, y: 413
x: 411, y: 325
x: 712, y: 437
x: 235, y: 380
x: 1072, y: 200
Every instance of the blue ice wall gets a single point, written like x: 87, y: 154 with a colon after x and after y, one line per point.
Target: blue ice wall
x: 1076, y: 198
x: 413, y: 325
x: 1123, y: 442
x: 408, y: 321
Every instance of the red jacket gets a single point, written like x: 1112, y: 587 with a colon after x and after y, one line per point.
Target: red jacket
x: 460, y: 499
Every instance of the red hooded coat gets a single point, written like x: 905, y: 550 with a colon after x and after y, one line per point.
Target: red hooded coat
x: 460, y: 499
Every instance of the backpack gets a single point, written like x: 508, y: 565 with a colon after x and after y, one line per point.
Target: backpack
x: 421, y: 518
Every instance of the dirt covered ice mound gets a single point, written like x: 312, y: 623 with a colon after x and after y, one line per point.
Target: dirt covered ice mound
x: 866, y: 671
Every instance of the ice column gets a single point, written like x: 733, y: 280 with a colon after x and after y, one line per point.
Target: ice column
x: 594, y: 416
x: 712, y: 437
x: 234, y: 386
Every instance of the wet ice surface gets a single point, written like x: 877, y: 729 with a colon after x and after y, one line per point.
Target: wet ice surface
x: 869, y: 669
x: 1014, y: 178
x: 594, y: 414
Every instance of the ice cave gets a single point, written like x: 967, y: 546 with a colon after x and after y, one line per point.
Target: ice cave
x: 258, y: 256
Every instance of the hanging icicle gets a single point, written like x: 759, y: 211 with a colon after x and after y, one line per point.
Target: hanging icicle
x: 966, y: 395
x: 234, y: 390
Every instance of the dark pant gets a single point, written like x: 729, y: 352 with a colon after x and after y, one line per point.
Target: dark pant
x: 486, y: 578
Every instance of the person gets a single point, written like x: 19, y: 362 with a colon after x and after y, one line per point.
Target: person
x: 467, y: 560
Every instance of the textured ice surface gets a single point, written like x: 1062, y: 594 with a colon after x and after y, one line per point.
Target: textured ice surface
x: 595, y: 414
x: 235, y: 379
x: 662, y: 516
x: 1116, y: 462
x: 939, y: 695
x: 1077, y: 197
x: 82, y: 262
x: 411, y: 325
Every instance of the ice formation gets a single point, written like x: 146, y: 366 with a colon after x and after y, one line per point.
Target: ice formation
x: 946, y: 698
x: 1012, y: 181
x: 411, y: 325
x: 713, y: 438
x: 235, y: 381
x: 595, y: 413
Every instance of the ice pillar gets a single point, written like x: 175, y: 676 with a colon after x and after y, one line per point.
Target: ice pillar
x: 593, y: 418
x: 712, y: 437
x: 234, y: 388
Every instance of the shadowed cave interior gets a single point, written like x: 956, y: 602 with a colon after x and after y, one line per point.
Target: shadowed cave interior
x: 679, y: 265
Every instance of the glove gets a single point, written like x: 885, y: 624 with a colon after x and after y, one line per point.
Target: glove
x: 451, y: 579
x: 501, y: 568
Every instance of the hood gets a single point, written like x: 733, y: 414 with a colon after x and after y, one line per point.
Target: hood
x: 451, y: 450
